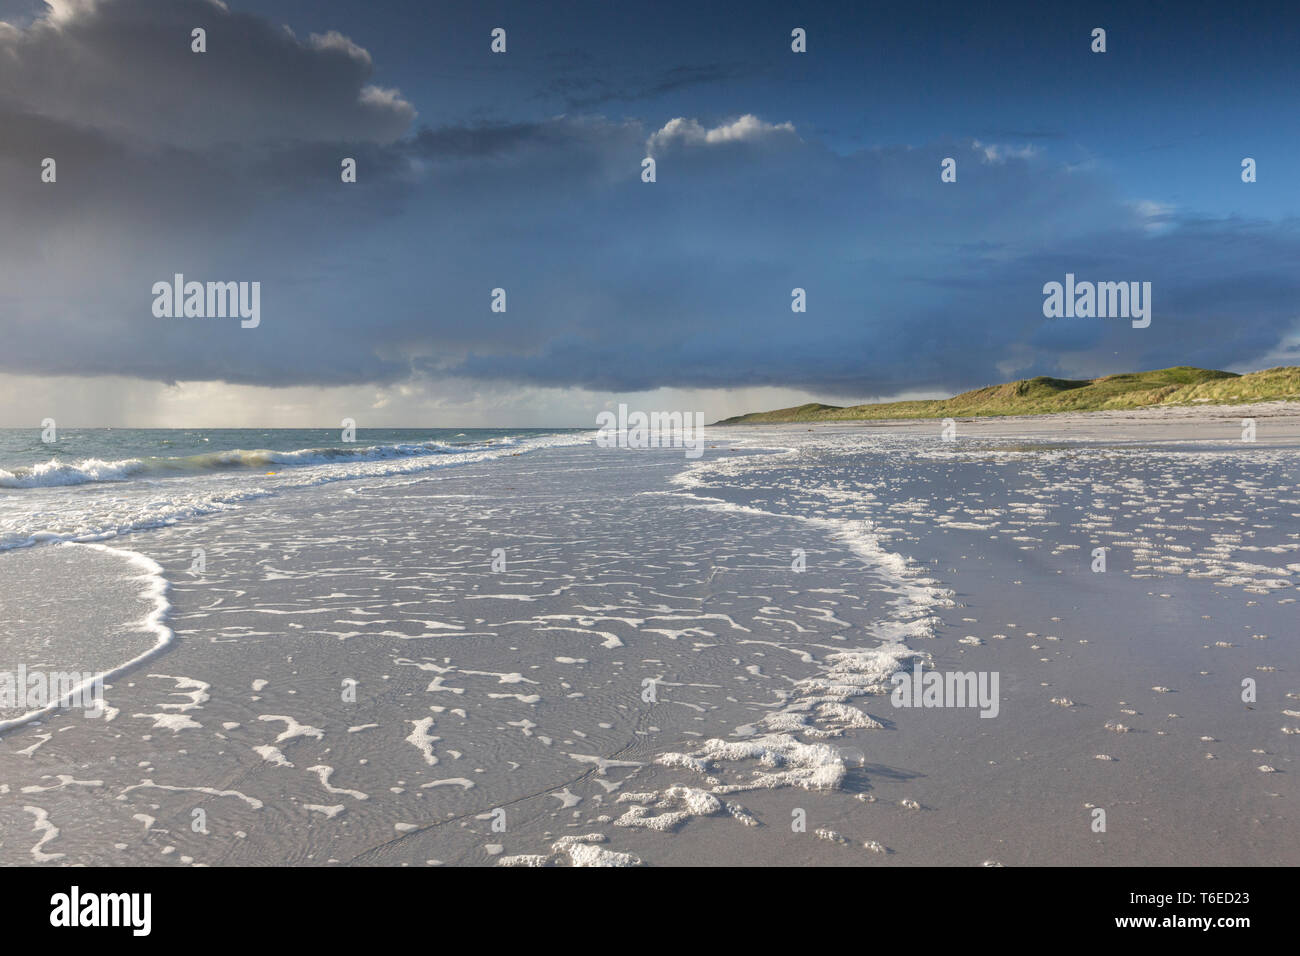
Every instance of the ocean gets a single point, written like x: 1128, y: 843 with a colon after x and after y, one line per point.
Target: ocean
x: 530, y: 650
x: 95, y: 483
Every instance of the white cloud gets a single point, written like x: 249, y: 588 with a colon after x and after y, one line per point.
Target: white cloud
x: 333, y: 40
x: 1000, y: 152
x: 63, y: 11
x: 747, y: 128
x: 1154, y: 216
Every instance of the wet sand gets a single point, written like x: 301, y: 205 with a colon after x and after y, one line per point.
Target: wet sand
x: 650, y: 679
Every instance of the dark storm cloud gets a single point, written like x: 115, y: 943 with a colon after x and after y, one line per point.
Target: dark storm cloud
x: 127, y: 66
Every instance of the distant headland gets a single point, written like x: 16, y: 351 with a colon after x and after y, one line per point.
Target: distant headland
x: 1181, y: 385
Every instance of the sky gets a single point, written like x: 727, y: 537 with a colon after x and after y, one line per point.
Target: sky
x: 522, y: 170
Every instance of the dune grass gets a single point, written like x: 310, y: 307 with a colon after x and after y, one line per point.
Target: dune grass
x: 1181, y: 385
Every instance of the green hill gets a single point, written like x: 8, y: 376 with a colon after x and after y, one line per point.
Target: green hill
x: 1181, y: 385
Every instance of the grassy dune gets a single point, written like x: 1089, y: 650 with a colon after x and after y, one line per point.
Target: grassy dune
x: 1181, y: 385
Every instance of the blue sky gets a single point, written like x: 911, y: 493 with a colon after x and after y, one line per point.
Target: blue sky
x: 1182, y: 90
x: 775, y: 170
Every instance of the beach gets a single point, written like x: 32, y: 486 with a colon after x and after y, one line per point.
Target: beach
x: 555, y: 653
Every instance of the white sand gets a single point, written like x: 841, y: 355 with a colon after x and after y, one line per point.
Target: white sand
x: 651, y: 682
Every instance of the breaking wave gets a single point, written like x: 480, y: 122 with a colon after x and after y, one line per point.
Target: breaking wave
x: 57, y: 472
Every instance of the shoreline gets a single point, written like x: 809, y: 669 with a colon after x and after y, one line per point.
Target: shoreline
x: 1181, y: 386
x: 522, y: 690
x: 1280, y: 408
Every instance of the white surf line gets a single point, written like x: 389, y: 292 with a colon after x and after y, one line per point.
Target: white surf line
x: 65, y: 780
x: 195, y: 690
x: 844, y: 674
x: 49, y: 831
x: 601, y: 764
x: 292, y: 728
x: 324, y: 772
x: 421, y: 739
x: 148, y: 783
x: 604, y: 763
x: 155, y: 589
x: 424, y: 466
x: 272, y: 755
x: 915, y: 595
x: 919, y: 593
x: 40, y: 739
